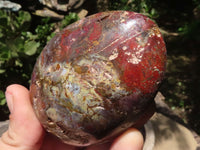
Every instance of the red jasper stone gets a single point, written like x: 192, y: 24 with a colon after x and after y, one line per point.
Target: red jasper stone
x: 99, y: 77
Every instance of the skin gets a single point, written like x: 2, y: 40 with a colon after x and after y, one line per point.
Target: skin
x: 26, y: 133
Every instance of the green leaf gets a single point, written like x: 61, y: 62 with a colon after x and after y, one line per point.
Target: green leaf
x: 24, y: 16
x: 18, y: 44
x: 2, y: 71
x: 2, y: 98
x: 18, y: 63
x: 4, y: 53
x: 30, y: 48
x: 23, y: 20
x: 15, y: 46
x: 72, y: 17
x: 1, y: 34
x: 29, y: 35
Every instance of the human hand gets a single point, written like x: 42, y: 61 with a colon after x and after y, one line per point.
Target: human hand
x: 26, y: 133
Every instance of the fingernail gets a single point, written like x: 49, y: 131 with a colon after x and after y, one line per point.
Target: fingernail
x: 9, y: 99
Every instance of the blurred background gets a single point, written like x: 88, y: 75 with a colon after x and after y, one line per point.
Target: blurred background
x: 26, y: 27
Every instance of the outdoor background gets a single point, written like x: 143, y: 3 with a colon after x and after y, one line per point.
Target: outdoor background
x: 24, y: 33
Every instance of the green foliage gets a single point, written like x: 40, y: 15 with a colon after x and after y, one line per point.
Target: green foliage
x: 190, y: 30
x: 2, y: 98
x: 72, y: 17
x: 3, y: 106
x: 12, y: 23
x: 45, y: 31
x: 15, y: 41
x: 17, y: 46
x: 141, y: 6
x: 176, y: 84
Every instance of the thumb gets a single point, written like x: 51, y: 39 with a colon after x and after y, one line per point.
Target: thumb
x: 24, y: 132
x: 132, y: 139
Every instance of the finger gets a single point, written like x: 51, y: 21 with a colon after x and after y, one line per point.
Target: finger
x: 104, y: 146
x: 132, y: 139
x: 24, y: 132
x: 53, y: 143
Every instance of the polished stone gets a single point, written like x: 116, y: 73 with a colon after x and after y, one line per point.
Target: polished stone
x: 98, y: 77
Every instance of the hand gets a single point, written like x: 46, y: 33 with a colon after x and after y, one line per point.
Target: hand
x: 26, y: 133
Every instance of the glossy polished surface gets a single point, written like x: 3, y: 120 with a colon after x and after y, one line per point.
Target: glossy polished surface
x: 98, y: 77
